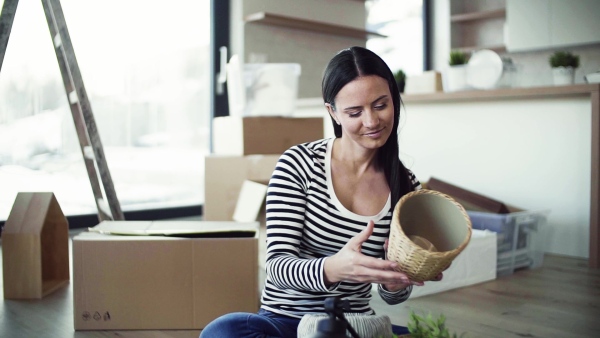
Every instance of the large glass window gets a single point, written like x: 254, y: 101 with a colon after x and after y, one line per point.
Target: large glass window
x: 146, y: 69
x: 402, y: 23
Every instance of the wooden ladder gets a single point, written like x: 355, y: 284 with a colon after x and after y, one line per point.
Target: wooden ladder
x: 89, y: 140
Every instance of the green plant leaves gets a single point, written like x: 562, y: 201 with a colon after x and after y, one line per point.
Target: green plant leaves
x: 457, y: 58
x: 428, y: 327
x: 564, y: 59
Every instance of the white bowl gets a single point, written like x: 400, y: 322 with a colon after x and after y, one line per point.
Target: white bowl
x: 484, y: 69
x: 593, y: 77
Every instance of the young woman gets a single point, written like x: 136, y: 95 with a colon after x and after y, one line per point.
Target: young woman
x: 329, y: 207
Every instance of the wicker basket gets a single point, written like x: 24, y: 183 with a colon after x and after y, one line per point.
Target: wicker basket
x: 436, y: 217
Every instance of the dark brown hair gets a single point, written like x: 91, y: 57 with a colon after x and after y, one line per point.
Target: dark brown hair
x: 346, y: 66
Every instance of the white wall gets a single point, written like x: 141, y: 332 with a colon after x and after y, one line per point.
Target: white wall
x: 532, y: 154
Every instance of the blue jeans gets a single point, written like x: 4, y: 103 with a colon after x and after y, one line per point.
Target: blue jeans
x: 265, y: 324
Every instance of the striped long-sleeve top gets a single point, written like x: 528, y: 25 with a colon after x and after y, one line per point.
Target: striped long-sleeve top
x: 306, y: 223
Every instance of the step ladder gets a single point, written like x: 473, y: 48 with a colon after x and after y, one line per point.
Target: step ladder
x: 105, y: 195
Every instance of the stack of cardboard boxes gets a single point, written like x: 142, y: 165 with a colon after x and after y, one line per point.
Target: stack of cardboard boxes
x: 182, y: 275
x: 247, y: 149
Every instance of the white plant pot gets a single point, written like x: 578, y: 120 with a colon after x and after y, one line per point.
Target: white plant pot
x: 455, y: 78
x: 563, y: 76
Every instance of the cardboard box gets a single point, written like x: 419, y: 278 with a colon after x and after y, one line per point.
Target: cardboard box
x: 469, y: 200
x: 163, y: 275
x: 250, y: 201
x: 520, y: 233
x: 35, y: 247
x: 252, y: 135
x: 476, y: 264
x: 223, y: 180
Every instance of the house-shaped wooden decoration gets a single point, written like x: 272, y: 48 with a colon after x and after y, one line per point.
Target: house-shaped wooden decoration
x: 35, y: 247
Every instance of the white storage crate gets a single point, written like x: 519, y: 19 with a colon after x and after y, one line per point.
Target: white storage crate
x: 476, y: 264
x: 262, y: 89
x: 520, y: 237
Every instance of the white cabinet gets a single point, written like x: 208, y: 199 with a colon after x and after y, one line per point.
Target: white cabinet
x: 528, y: 25
x: 546, y: 24
x: 574, y: 22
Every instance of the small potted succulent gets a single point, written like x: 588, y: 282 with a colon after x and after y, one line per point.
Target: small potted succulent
x: 400, y: 78
x: 563, y: 65
x: 455, y: 78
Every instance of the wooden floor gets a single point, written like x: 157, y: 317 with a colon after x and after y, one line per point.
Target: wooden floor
x: 560, y: 299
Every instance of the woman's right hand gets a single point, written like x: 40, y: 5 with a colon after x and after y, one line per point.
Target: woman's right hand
x: 349, y: 264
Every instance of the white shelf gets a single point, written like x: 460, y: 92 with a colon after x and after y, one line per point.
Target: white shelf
x: 309, y: 25
x: 474, y: 16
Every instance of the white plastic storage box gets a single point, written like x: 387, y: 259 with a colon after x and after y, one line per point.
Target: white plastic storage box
x: 262, y: 89
x: 519, y: 235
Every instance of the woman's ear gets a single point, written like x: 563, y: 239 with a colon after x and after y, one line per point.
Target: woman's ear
x: 331, y: 112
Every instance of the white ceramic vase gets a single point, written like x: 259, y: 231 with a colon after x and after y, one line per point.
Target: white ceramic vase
x: 563, y: 76
x: 455, y: 78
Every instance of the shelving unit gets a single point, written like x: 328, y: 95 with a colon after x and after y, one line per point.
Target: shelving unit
x: 473, y: 28
x: 496, y: 48
x: 284, y: 32
x: 309, y: 25
x: 489, y: 14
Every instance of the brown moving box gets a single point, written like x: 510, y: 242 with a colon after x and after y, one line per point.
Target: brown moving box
x: 252, y: 135
x: 152, y: 279
x: 520, y: 233
x: 224, y: 177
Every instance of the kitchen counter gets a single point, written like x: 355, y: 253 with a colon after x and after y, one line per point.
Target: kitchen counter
x: 507, y: 93
x: 454, y: 102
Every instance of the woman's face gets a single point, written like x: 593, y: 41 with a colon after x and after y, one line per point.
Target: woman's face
x: 365, y: 111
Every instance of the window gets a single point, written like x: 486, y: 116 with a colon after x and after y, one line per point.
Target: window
x: 402, y: 23
x: 146, y: 69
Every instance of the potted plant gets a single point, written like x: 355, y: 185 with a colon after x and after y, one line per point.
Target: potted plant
x: 400, y: 77
x: 456, y: 75
x: 563, y: 65
x: 458, y: 58
x: 429, y: 327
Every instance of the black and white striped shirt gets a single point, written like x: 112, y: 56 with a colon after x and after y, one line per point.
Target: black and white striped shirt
x: 306, y: 223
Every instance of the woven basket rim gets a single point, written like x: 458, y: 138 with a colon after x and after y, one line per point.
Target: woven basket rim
x: 417, y: 248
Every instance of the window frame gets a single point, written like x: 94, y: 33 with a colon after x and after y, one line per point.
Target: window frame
x: 427, y: 35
